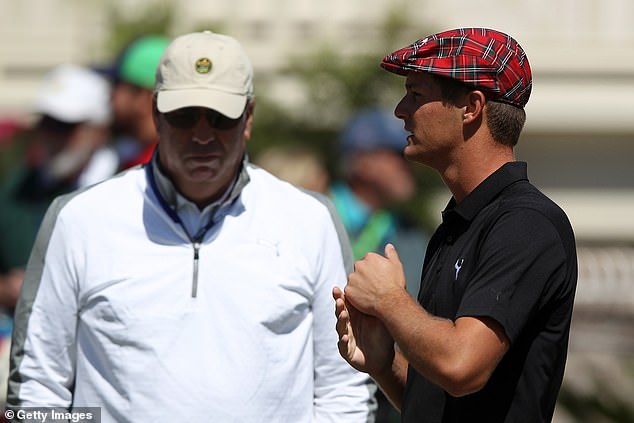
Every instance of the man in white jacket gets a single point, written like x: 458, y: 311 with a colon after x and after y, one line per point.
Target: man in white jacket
x: 196, y: 288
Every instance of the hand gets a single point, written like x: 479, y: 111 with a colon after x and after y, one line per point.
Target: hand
x: 364, y: 342
x: 376, y: 279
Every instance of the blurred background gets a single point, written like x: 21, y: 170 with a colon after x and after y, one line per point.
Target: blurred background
x: 316, y: 65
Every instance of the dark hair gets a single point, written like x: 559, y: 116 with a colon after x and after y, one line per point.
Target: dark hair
x: 505, y: 121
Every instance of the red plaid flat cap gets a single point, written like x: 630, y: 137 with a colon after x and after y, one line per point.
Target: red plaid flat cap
x: 486, y: 59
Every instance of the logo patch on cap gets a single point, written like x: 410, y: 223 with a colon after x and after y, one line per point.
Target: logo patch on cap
x: 203, y: 65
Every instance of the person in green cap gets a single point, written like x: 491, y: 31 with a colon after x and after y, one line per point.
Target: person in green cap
x: 133, y: 76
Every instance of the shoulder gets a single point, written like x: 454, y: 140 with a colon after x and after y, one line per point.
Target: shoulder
x: 526, y: 201
x: 91, y: 203
x: 308, y: 217
x: 284, y: 196
x: 523, y: 222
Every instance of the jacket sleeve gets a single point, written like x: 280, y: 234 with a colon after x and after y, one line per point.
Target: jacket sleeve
x: 342, y: 394
x: 43, y: 344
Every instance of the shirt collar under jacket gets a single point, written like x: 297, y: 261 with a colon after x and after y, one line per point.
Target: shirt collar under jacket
x: 484, y: 193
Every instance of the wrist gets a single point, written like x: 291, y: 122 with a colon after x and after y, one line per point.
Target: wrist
x: 385, y: 371
x: 388, y: 303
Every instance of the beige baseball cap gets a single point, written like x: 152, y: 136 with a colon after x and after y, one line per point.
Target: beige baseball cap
x: 204, y: 69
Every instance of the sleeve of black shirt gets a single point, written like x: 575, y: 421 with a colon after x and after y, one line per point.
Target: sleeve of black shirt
x: 520, y: 271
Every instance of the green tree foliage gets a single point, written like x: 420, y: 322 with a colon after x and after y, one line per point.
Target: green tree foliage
x: 154, y: 17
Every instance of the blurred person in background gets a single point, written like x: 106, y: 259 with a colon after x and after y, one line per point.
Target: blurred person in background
x: 375, y: 179
x: 11, y: 145
x: 67, y: 149
x: 133, y: 76
x: 9, y: 127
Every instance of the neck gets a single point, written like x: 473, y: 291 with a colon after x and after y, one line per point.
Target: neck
x: 463, y: 175
x: 203, y: 201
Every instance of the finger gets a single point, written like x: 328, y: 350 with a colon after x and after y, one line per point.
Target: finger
x: 351, y: 312
x: 342, y: 324
x: 337, y: 293
x: 359, y: 263
x: 390, y: 253
x: 342, y: 346
x: 340, y: 307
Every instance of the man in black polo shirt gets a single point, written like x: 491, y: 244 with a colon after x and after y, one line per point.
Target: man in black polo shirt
x: 487, y: 340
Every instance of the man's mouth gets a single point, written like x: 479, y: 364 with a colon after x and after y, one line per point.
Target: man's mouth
x: 204, y: 157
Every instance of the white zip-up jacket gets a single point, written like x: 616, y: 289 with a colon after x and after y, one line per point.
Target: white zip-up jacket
x: 112, y: 314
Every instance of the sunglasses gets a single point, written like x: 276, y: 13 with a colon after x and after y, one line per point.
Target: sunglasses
x: 188, y: 117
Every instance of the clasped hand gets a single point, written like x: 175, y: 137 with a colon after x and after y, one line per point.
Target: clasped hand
x: 364, y: 340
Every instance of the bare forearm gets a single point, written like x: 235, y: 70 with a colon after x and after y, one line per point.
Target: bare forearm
x: 458, y: 356
x: 392, y: 381
x: 423, y: 339
x: 420, y: 336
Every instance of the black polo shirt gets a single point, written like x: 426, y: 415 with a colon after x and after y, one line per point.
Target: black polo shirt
x: 506, y: 252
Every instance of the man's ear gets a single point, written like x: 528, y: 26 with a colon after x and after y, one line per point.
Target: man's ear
x: 474, y: 107
x: 155, y: 113
x: 250, y: 110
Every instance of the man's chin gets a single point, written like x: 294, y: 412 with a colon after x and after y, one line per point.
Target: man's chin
x: 409, y: 152
x: 202, y: 175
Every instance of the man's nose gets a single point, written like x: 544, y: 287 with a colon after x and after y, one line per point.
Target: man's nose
x: 203, y: 132
x: 400, y: 111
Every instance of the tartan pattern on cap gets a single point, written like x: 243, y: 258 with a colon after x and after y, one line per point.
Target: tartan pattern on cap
x: 486, y: 59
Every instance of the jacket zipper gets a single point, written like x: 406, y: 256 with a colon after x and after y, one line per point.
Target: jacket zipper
x: 195, y: 277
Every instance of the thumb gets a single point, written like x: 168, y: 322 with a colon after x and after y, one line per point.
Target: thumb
x: 391, y: 254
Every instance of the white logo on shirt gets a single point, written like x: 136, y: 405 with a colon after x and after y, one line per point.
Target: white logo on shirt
x: 458, y: 266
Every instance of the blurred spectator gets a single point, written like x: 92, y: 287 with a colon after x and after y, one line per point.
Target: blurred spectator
x: 10, y: 143
x: 375, y: 178
x: 8, y: 129
x: 298, y: 165
x: 133, y: 75
x: 67, y: 150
